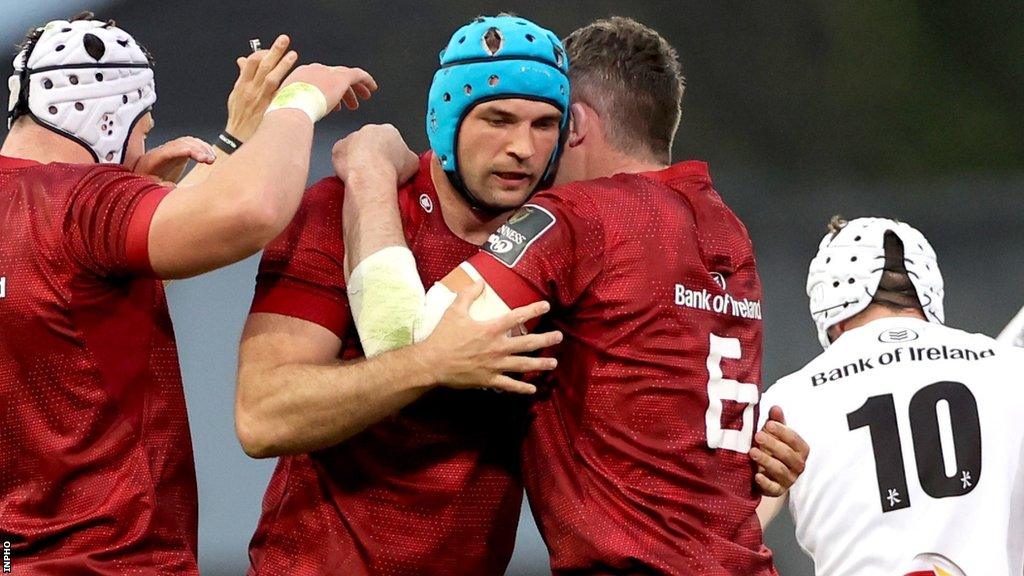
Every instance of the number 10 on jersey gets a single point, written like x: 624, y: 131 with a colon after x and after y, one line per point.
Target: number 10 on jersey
x: 946, y: 432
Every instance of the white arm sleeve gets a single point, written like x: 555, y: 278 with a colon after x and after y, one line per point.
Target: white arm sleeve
x: 1013, y: 334
x: 389, y: 305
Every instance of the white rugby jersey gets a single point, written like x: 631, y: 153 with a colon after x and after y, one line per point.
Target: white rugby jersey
x: 917, y: 452
x: 1013, y: 334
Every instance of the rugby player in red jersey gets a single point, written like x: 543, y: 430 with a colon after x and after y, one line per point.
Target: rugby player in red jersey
x: 383, y: 471
x: 96, y: 474
x: 636, y: 460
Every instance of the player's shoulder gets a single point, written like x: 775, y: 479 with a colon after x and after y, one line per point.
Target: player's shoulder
x: 793, y: 383
x: 68, y: 177
x: 805, y: 378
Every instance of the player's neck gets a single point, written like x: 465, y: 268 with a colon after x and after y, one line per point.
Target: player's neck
x: 876, y: 312
x: 604, y: 161
x: 29, y: 141
x: 473, y: 226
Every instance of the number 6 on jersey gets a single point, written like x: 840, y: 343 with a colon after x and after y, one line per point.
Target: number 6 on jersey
x: 721, y: 388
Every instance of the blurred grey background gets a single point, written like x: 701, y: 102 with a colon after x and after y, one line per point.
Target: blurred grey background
x: 906, y: 109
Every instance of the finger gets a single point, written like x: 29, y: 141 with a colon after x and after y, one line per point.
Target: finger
x: 187, y: 147
x: 524, y: 364
x: 775, y: 413
x: 508, y: 384
x: 273, y: 57
x: 360, y: 76
x: 788, y: 436
x: 773, y: 469
x: 350, y: 99
x: 768, y: 488
x: 249, y: 66
x: 780, y: 451
x: 198, y: 144
x: 278, y: 74
x: 522, y: 315
x: 467, y: 296
x: 362, y: 91
x: 532, y: 342
x: 241, y: 64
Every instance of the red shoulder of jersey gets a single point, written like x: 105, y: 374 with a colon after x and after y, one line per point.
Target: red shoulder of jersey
x: 302, y: 271
x: 109, y: 211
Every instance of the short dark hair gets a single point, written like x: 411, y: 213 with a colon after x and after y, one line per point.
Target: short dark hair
x: 631, y: 75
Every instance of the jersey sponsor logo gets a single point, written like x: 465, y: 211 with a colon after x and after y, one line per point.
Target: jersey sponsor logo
x: 426, y: 203
x: 724, y: 304
x: 899, y: 355
x: 509, y: 242
x: 897, y: 335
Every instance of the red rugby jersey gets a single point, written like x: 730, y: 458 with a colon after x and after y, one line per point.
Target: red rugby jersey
x: 432, y: 490
x: 96, y: 471
x: 636, y: 462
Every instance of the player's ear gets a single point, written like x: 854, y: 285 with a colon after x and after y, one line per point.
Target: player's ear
x: 579, y: 123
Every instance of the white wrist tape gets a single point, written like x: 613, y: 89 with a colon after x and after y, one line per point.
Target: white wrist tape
x: 386, y: 296
x: 300, y: 96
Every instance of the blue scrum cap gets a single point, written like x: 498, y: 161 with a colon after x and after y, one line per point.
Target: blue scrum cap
x: 529, y: 63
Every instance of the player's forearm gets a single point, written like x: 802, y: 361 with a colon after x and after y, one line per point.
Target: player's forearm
x: 296, y: 408
x: 370, y: 218
x: 267, y: 176
x: 385, y: 291
x: 244, y: 202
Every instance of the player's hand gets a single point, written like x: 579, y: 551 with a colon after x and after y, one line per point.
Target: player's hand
x: 259, y: 76
x: 167, y: 162
x: 374, y: 146
x: 780, y: 453
x: 471, y: 354
x: 339, y: 84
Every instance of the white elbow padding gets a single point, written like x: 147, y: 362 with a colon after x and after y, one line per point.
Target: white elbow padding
x: 386, y: 296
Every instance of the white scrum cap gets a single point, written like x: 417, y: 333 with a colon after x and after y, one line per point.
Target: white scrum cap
x: 86, y: 80
x: 845, y: 274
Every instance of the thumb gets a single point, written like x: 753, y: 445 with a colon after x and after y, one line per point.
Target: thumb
x: 775, y: 413
x: 467, y: 295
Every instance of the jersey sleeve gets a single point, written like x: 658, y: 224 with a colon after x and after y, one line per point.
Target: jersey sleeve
x: 302, y: 272
x: 551, y: 249
x: 108, y: 217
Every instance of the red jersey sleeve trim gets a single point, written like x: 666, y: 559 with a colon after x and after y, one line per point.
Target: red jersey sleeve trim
x: 513, y: 289
x: 136, y: 242
x: 302, y: 302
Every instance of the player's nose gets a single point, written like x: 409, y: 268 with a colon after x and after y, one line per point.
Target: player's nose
x: 520, y: 142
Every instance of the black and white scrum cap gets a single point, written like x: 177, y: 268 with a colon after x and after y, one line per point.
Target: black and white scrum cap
x: 87, y: 80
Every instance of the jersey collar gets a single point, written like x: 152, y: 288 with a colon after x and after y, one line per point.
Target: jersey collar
x: 685, y: 170
x: 8, y: 163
